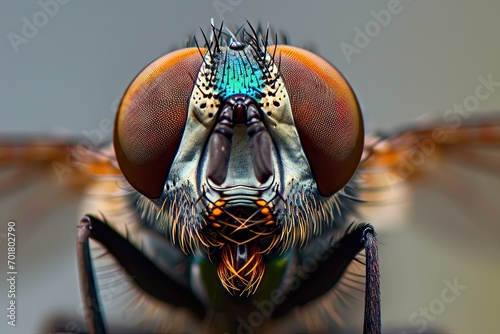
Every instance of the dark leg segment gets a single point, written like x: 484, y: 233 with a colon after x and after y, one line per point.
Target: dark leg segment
x: 330, y: 270
x: 91, y: 305
x: 141, y: 269
x: 372, y: 323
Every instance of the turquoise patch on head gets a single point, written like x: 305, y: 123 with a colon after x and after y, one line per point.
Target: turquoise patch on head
x: 239, y: 73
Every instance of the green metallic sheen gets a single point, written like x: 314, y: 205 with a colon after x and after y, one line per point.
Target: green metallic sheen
x: 239, y: 73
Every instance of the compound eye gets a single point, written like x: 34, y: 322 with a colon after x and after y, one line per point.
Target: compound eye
x: 326, y: 114
x: 151, y: 119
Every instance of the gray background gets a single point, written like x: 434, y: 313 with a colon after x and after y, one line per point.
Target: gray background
x: 70, y: 75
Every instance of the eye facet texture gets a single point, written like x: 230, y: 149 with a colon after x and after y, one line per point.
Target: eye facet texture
x: 326, y: 114
x: 151, y: 119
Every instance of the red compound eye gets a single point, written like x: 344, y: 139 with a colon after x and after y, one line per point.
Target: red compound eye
x: 151, y: 119
x: 326, y: 114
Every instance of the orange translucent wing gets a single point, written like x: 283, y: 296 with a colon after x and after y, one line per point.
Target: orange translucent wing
x: 430, y: 154
x: 409, y: 152
x: 50, y: 171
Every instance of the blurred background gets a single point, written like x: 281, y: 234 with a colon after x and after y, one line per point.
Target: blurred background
x: 64, y: 67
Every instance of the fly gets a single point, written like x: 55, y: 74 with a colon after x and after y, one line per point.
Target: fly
x: 234, y: 187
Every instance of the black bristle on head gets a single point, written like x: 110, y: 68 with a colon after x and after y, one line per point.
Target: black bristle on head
x: 199, y: 50
x: 208, y: 44
x: 257, y: 37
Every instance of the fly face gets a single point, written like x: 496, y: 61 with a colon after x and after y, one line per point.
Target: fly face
x: 238, y: 150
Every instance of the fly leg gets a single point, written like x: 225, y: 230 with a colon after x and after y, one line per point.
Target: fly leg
x: 372, y: 322
x: 91, y: 305
x: 330, y: 270
x: 142, y: 271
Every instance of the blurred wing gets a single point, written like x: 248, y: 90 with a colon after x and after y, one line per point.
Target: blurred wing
x: 449, y: 159
x: 49, y: 172
x: 42, y: 184
x: 432, y: 192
